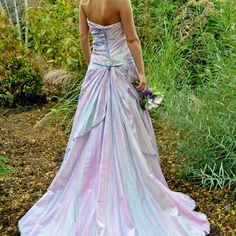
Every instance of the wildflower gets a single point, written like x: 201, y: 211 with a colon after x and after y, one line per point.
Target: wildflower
x: 148, y: 99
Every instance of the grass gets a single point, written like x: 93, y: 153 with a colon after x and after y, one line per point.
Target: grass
x: 194, y: 65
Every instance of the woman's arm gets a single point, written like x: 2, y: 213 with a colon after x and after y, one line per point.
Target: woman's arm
x: 84, y: 35
x: 126, y: 15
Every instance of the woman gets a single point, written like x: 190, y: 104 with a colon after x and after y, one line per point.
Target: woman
x: 110, y: 182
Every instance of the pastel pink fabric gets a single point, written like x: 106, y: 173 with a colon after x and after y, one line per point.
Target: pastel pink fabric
x: 110, y: 182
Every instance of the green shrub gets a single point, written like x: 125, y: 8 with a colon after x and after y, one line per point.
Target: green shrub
x: 20, y: 83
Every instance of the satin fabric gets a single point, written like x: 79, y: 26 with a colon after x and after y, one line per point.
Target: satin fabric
x: 110, y: 182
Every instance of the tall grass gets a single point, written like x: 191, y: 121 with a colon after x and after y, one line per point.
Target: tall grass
x: 195, y: 66
x: 207, y: 126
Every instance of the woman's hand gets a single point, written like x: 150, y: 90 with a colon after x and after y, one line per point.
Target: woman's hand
x: 126, y: 15
x: 142, y: 83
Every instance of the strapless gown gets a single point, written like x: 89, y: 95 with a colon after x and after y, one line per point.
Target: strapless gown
x: 110, y: 182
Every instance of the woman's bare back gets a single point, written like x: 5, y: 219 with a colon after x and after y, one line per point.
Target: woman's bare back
x: 103, y: 12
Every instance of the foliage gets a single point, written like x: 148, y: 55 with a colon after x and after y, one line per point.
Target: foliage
x: 8, y: 39
x: 194, y: 63
x: 54, y: 33
x: 186, y: 38
x: 3, y: 168
x: 20, y: 83
x: 20, y: 80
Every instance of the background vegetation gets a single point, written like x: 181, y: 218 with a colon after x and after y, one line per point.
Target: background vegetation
x: 189, y: 53
x: 194, y: 63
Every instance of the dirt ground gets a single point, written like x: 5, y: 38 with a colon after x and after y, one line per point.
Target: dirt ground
x: 35, y: 156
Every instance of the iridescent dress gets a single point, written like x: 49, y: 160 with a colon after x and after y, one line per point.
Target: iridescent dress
x: 110, y: 182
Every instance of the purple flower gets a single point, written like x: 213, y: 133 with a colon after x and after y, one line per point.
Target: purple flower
x: 148, y: 93
x: 148, y: 99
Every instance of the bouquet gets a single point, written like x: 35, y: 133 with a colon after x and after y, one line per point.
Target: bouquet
x: 148, y: 99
